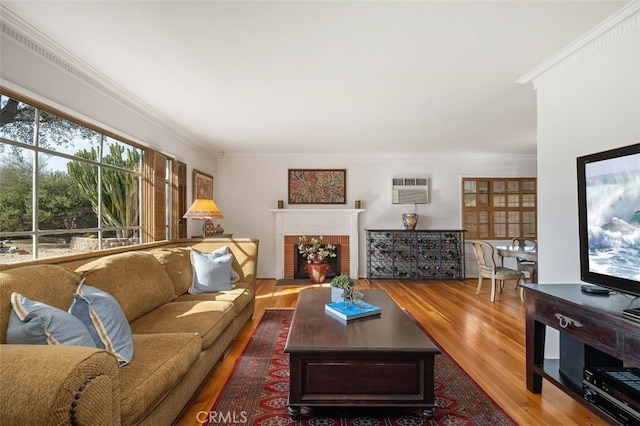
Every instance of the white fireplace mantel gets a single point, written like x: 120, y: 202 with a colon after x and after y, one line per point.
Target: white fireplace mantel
x: 317, y: 222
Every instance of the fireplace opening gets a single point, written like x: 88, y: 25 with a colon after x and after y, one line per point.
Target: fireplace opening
x: 300, y: 271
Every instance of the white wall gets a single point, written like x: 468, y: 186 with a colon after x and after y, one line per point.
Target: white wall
x: 590, y: 103
x: 592, y: 107
x: 248, y: 186
x: 70, y: 90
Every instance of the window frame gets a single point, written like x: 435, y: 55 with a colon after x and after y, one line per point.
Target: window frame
x: 167, y: 218
x: 503, y: 208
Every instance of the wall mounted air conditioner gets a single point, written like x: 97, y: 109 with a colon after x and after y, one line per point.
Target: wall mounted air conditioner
x: 410, y: 190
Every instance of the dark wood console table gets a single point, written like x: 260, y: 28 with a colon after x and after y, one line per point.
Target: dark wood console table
x: 594, y: 320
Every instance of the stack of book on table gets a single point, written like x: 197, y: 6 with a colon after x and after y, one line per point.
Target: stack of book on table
x: 351, y: 310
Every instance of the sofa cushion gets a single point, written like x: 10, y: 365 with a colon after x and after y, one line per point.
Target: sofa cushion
x: 29, y: 281
x: 241, y: 296
x: 160, y: 361
x: 36, y: 323
x: 135, y: 279
x: 177, y: 264
x: 211, y: 272
x: 104, y: 319
x: 206, y: 318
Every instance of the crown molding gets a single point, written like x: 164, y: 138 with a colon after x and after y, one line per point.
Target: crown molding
x: 20, y: 32
x: 367, y: 157
x: 611, y: 30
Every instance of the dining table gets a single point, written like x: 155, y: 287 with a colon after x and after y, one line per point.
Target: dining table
x: 527, y: 253
x: 522, y: 253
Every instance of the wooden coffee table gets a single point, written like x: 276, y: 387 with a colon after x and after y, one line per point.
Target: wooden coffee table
x: 379, y: 361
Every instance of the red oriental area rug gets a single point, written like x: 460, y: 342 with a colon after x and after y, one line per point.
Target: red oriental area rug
x: 256, y: 393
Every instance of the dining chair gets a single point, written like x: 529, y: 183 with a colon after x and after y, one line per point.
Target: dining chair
x: 487, y: 268
x: 528, y: 266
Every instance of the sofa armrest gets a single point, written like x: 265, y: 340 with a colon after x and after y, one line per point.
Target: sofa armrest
x: 49, y: 384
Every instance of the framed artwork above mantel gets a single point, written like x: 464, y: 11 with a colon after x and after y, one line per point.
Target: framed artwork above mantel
x: 317, y: 186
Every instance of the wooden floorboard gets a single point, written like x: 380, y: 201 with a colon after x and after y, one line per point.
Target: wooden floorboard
x: 486, y: 339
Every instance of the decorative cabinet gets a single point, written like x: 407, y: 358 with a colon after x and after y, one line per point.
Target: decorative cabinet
x: 597, y: 327
x: 415, y: 255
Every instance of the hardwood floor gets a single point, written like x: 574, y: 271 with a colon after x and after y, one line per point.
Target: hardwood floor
x: 486, y: 339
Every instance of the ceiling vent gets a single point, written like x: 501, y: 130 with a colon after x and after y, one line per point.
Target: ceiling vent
x: 410, y: 190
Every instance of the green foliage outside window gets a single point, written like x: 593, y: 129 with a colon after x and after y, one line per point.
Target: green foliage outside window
x: 68, y: 186
x: 120, y: 190
x: 15, y: 197
x: 60, y: 204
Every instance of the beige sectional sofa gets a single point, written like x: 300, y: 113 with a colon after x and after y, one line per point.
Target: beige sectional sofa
x: 177, y: 337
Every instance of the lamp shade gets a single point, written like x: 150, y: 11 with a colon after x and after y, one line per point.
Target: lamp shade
x: 203, y: 208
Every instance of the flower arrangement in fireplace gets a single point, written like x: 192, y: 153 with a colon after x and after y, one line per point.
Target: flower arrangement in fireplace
x: 312, y: 249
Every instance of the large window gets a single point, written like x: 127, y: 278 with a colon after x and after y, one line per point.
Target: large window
x: 499, y: 208
x: 66, y: 186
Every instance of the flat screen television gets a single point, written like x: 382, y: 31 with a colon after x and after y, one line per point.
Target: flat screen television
x: 609, y: 219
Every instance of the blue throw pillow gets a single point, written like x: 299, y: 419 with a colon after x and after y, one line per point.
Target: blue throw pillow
x: 36, y: 323
x: 105, y: 320
x: 211, y: 271
x: 219, y: 252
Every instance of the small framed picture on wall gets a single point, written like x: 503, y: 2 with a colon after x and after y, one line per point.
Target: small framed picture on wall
x: 202, y: 185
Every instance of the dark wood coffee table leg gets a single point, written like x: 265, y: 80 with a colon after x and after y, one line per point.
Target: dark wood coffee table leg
x: 428, y: 413
x: 294, y: 412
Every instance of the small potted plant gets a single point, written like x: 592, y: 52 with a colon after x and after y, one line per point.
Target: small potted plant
x: 342, y: 288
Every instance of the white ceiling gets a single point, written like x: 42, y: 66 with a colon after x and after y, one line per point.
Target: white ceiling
x: 326, y: 76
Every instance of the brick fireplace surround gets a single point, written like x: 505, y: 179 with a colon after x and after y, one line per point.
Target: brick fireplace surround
x: 290, y: 252
x: 336, y: 226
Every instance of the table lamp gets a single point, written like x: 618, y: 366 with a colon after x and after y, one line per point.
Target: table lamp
x: 203, y: 208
